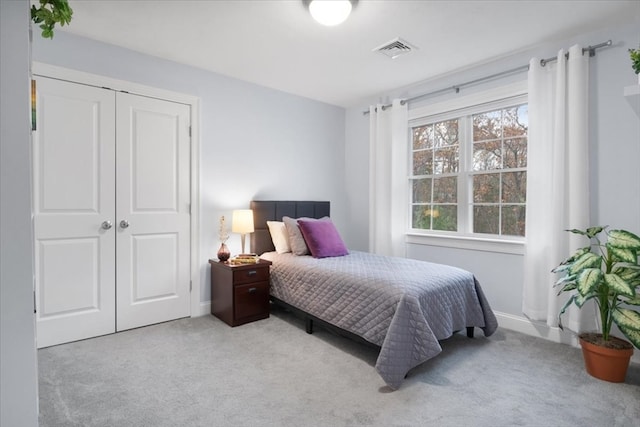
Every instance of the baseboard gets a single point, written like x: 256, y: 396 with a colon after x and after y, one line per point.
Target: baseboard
x: 538, y: 329
x: 203, y: 310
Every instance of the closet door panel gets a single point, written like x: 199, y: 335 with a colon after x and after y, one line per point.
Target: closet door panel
x: 153, y: 239
x: 73, y: 196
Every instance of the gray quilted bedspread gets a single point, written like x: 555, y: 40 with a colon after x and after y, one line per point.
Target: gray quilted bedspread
x: 402, y: 305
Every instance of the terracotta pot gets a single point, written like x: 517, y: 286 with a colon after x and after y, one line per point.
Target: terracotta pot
x: 604, y: 363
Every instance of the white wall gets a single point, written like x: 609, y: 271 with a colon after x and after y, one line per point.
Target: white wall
x: 256, y: 143
x: 615, y: 152
x: 357, y: 178
x: 18, y: 373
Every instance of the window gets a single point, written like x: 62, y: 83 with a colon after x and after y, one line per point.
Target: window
x: 499, y: 171
x: 468, y: 170
x: 436, y: 160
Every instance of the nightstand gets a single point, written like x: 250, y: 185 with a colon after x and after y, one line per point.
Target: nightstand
x: 240, y: 293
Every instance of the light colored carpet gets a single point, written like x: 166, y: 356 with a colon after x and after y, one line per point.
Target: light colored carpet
x: 201, y: 372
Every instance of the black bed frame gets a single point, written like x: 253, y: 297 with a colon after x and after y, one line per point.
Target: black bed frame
x: 274, y: 210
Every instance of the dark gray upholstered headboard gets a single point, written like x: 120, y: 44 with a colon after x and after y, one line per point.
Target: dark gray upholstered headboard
x: 274, y: 210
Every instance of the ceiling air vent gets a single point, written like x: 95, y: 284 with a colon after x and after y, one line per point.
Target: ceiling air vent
x: 395, y: 48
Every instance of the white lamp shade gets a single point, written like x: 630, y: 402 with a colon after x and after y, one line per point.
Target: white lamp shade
x: 330, y: 12
x: 242, y: 221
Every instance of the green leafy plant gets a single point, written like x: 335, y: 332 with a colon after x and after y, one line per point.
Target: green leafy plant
x: 609, y: 274
x: 634, y: 54
x: 50, y: 13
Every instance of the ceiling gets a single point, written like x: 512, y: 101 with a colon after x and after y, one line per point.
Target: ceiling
x: 275, y: 43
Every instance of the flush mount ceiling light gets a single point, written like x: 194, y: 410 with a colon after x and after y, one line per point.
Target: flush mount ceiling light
x: 330, y: 12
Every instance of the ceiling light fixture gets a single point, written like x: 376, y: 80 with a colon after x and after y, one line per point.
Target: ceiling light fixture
x: 330, y: 12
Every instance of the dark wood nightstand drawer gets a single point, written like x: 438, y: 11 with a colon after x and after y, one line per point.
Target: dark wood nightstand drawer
x: 251, y: 301
x: 250, y: 275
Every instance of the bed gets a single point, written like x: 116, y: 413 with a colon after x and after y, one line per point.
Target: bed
x: 402, y: 307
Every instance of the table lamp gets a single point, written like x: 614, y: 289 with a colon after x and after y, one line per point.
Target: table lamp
x: 242, y: 222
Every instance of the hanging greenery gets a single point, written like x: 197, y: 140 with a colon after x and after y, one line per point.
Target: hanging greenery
x: 634, y: 54
x: 50, y: 13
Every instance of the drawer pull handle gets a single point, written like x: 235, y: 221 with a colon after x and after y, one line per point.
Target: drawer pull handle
x: 253, y: 290
x: 252, y: 272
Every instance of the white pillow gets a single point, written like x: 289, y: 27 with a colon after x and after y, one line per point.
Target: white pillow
x: 279, y: 236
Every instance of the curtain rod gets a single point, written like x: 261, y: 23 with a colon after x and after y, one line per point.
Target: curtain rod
x: 456, y: 88
x: 590, y: 49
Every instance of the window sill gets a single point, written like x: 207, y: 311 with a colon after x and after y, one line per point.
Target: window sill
x: 474, y: 243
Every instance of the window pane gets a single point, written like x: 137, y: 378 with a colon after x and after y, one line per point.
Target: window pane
x: 487, y: 125
x: 422, y: 190
x: 423, y: 137
x: 516, y: 121
x: 487, y: 155
x: 445, y: 217
x: 446, y: 160
x: 423, y: 162
x: 445, y: 190
x: 514, y: 187
x: 486, y: 188
x: 446, y: 133
x: 515, y: 153
x: 513, y: 220
x: 421, y: 217
x: 486, y: 219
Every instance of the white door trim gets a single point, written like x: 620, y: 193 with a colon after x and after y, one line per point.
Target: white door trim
x: 61, y: 73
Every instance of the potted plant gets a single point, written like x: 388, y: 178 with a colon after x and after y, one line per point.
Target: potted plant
x: 50, y: 13
x: 634, y: 54
x: 608, y: 273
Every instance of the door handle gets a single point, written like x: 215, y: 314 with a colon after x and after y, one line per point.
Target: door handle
x: 124, y: 223
x: 106, y: 225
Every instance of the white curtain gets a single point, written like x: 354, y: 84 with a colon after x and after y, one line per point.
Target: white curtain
x: 557, y: 181
x: 388, y: 178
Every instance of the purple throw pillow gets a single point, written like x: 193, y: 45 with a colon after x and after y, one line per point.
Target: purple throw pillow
x: 322, y: 238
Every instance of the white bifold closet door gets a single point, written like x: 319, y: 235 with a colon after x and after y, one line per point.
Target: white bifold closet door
x: 111, y: 211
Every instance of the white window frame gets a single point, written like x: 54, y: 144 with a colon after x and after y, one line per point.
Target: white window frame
x: 500, y: 97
